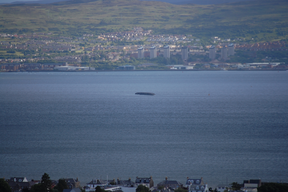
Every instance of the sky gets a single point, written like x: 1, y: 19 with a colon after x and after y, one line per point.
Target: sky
x: 10, y: 1
x: 170, y: 1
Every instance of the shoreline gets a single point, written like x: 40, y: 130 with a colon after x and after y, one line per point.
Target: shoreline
x: 143, y: 70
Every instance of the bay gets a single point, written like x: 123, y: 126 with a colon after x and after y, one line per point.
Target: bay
x: 222, y: 126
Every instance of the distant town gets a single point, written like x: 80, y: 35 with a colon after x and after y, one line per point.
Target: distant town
x: 137, y: 49
x: 139, y: 184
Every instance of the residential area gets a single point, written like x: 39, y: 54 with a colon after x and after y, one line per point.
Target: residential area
x: 22, y: 184
x: 137, y: 49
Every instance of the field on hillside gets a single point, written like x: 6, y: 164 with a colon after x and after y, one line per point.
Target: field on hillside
x: 264, y: 20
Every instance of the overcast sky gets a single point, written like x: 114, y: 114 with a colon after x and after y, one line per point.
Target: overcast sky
x: 170, y: 1
x: 10, y: 1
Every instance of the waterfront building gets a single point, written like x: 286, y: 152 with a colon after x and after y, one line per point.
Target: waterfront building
x: 171, y: 184
x: 251, y: 185
x: 72, y: 183
x: 97, y: 182
x: 222, y: 187
x: 224, y: 53
x: 140, y: 53
x: 184, y: 51
x: 181, y: 67
x: 125, y: 183
x: 153, y: 52
x: 19, y: 183
x: 166, y: 51
x: 194, y: 185
x: 231, y: 49
x: 212, y: 52
x: 147, y: 181
x: 126, y: 67
x: 193, y: 182
x: 198, y: 188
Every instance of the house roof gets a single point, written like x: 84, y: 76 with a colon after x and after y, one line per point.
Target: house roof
x: 143, y: 180
x: 13, y: 184
x: 97, y: 181
x: 128, y: 182
x: 18, y: 179
x: 71, y: 180
x: 169, y: 182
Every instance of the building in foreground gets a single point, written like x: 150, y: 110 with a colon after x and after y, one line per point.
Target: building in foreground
x: 146, y: 181
x: 72, y: 183
x: 18, y: 183
x: 169, y: 184
x: 196, y: 185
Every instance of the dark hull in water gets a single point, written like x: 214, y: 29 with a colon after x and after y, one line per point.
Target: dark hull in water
x: 144, y: 93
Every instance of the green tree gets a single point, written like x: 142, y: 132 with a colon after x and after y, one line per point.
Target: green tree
x: 235, y: 186
x: 142, y: 188
x: 61, y: 185
x: 181, y: 190
x: 99, y: 189
x: 25, y: 190
x: 4, y: 187
x: 46, y: 183
x: 160, y: 187
x: 275, y: 187
x: 36, y: 188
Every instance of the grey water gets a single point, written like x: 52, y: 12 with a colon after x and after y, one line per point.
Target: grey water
x: 222, y: 126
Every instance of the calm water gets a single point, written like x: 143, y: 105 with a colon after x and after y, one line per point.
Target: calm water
x: 222, y: 126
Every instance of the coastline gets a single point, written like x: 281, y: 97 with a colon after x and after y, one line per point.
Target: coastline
x: 143, y: 70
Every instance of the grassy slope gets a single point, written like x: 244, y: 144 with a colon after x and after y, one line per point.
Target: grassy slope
x: 265, y: 18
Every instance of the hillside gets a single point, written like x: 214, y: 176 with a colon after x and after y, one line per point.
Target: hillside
x: 265, y: 19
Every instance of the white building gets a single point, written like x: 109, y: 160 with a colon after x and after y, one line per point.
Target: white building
x: 181, y: 67
x: 148, y: 182
x: 222, y: 188
x: 198, y: 188
x: 153, y: 52
x: 224, y: 53
x: 166, y: 51
x: 73, y: 68
x: 97, y: 182
x: 231, y: 49
x: 212, y: 52
x: 140, y: 53
x: 184, y: 51
x: 196, y: 185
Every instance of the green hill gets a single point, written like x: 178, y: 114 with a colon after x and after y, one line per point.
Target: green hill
x: 265, y: 19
